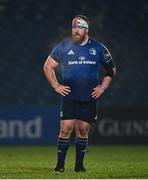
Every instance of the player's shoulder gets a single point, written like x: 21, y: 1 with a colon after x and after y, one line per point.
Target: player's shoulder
x: 65, y: 43
x: 61, y: 43
x: 97, y: 43
x: 62, y: 46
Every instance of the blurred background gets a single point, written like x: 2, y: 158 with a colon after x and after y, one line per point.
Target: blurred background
x: 29, y: 107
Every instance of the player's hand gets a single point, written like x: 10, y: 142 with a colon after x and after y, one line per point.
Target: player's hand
x: 62, y: 90
x: 97, y: 92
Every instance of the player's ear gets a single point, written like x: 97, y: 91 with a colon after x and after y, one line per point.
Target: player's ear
x: 87, y: 31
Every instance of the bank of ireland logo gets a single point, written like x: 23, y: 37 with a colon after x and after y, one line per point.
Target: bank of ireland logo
x: 92, y: 51
x: 82, y: 58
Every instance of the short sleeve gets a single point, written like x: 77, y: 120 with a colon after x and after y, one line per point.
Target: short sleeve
x: 57, y: 53
x: 105, y: 54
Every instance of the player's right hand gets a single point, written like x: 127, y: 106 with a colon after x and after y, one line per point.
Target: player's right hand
x: 62, y: 90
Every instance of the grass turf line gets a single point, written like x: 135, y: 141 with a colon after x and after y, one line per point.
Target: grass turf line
x: 101, y: 162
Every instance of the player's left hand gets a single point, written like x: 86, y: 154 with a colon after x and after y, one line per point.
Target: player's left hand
x: 97, y: 92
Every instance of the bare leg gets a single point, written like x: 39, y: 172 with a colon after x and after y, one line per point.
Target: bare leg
x: 66, y: 128
x: 81, y: 129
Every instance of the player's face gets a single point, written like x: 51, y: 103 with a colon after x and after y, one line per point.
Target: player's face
x: 79, y: 34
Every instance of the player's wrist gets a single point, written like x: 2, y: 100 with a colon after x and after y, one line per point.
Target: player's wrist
x: 103, y: 87
x: 55, y: 85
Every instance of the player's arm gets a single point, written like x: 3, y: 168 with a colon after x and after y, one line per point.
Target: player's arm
x: 49, y: 71
x: 110, y: 72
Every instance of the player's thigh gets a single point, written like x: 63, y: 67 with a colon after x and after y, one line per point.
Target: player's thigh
x: 66, y: 127
x: 88, y: 112
x: 69, y: 110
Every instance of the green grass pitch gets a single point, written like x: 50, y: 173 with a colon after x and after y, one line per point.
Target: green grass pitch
x: 101, y: 162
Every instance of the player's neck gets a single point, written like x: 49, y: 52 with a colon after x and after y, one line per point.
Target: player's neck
x: 85, y: 40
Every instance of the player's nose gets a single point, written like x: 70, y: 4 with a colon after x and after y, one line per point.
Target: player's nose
x: 76, y: 29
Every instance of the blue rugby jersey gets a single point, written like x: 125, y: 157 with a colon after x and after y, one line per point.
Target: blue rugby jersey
x: 80, y: 66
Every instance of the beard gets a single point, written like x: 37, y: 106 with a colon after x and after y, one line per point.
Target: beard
x: 77, y: 38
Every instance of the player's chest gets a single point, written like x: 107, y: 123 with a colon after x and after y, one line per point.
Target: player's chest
x: 81, y: 56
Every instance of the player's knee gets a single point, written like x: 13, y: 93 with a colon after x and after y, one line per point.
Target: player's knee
x: 82, y: 132
x: 65, y: 132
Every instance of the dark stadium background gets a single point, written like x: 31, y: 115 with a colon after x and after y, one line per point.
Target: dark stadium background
x: 29, y: 107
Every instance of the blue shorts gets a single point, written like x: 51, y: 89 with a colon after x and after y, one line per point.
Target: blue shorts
x: 85, y: 111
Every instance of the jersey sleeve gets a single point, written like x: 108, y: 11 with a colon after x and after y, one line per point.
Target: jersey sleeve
x: 57, y: 52
x: 105, y: 55
x: 107, y: 62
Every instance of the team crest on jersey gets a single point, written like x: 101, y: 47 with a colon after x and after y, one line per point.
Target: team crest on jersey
x: 92, y: 51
